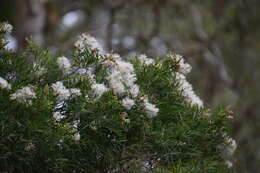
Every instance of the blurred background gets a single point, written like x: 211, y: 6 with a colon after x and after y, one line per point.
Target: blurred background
x: 220, y: 39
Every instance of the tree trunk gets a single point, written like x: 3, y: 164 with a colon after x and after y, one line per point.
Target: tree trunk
x: 30, y: 21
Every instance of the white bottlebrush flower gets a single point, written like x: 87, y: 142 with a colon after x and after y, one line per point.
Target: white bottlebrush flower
x: 231, y: 146
x: 121, y: 75
x: 39, y: 70
x: 128, y: 103
x: 87, y: 42
x: 75, y: 92
x: 4, y: 84
x: 99, y: 89
x: 110, y: 60
x: 134, y: 90
x: 115, y: 82
x: 229, y: 164
x: 29, y: 147
x: 127, y: 72
x: 24, y: 95
x: 187, y: 91
x: 63, y: 93
x: 58, y: 116
x: 6, y: 27
x: 144, y: 60
x: 150, y: 109
x: 184, y: 68
x: 76, y: 137
x: 64, y: 64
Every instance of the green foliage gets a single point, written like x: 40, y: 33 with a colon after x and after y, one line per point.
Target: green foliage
x: 181, y: 138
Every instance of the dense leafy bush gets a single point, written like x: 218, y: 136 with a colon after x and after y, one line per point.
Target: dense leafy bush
x: 96, y: 112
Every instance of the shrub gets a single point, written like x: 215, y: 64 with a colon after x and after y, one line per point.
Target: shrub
x: 96, y: 112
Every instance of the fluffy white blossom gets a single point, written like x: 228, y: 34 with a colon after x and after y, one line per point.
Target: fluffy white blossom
x: 134, y: 90
x: 6, y: 27
x: 186, y: 89
x: 99, y: 89
x: 150, y: 109
x: 4, y: 84
x: 76, y: 136
x: 29, y: 147
x: 232, y: 145
x: 121, y: 75
x: 127, y: 72
x: 64, y: 64
x: 87, y: 42
x: 39, y: 70
x: 228, y: 163
x: 115, y: 82
x: 146, y: 61
x: 75, y: 92
x: 184, y: 68
x: 58, y: 116
x: 128, y: 103
x: 24, y: 95
x: 64, y: 93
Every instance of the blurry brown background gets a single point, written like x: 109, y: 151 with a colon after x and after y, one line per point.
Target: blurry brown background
x: 221, y: 39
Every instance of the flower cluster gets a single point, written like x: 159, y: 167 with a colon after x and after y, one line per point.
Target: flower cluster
x: 121, y: 75
x: 146, y: 61
x: 86, y: 41
x: 6, y: 28
x: 4, y: 84
x: 99, y: 89
x: 184, y: 86
x: 187, y: 91
x: 183, y: 67
x: 24, y: 95
x: 64, y: 64
x: 63, y: 93
x: 149, y: 108
x: 128, y: 103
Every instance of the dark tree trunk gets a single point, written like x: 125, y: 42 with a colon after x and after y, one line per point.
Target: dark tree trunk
x: 30, y: 21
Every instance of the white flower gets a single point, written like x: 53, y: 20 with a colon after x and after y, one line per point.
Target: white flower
x: 6, y: 27
x: 24, y: 95
x: 115, y: 82
x: 127, y: 72
x: 64, y: 64
x: 232, y: 145
x: 75, y: 92
x: 29, y: 147
x: 99, y: 89
x: 144, y: 60
x: 128, y: 103
x: 187, y: 91
x: 134, y: 90
x: 228, y: 163
x: 58, y: 116
x: 39, y: 70
x: 4, y: 84
x: 76, y: 136
x: 184, y: 68
x: 150, y: 109
x: 87, y: 42
x: 121, y: 75
x: 64, y: 93
x: 110, y: 60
